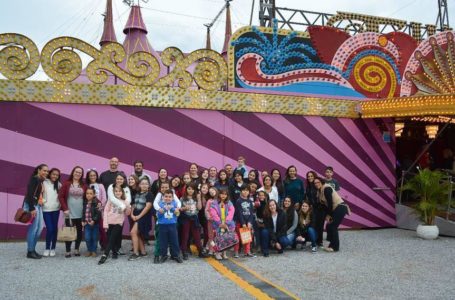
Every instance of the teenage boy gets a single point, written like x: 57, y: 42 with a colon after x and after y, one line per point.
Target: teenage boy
x: 330, y: 180
x: 241, y: 166
x: 167, y: 220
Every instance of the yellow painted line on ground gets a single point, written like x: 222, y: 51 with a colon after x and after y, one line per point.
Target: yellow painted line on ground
x: 253, y: 291
x: 255, y: 274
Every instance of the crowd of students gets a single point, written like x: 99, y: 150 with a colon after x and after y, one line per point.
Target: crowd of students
x: 195, y: 208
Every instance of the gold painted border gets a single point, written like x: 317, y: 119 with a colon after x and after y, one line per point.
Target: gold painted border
x: 101, y: 94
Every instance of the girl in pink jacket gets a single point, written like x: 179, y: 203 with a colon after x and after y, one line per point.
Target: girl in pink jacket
x: 222, y: 215
x: 114, y: 216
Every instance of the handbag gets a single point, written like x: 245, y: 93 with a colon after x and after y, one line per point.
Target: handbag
x: 22, y: 216
x: 245, y: 235
x: 25, y: 216
x: 225, y: 240
x: 67, y: 233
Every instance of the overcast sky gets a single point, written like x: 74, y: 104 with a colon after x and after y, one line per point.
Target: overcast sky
x: 180, y: 22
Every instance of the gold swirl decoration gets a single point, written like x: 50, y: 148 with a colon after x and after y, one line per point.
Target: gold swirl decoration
x: 61, y: 61
x: 375, y: 76
x: 210, y: 70
x: 20, y: 58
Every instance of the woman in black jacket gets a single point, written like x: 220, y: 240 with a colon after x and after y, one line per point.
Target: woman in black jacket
x: 274, y: 228
x: 33, y: 203
x: 306, y: 226
x: 319, y: 211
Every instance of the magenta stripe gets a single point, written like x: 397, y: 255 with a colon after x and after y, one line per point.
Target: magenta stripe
x: 297, y: 152
x: 282, y: 157
x: 375, y: 137
x: 120, y: 123
x: 84, y: 138
x: 35, y: 151
x: 313, y: 145
x: 338, y: 143
x: 360, y: 138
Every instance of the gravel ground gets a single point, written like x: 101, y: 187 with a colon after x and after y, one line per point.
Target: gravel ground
x: 81, y: 278
x: 374, y: 264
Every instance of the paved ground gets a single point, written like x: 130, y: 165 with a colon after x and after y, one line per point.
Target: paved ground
x: 374, y: 264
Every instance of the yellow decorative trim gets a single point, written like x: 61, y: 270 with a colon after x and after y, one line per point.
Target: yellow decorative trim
x: 238, y: 33
x: 432, y: 105
x: 20, y: 58
x: 70, y: 92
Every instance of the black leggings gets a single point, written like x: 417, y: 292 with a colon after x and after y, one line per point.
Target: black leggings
x: 319, y: 215
x: 114, y: 238
x: 78, y: 224
x: 332, y: 227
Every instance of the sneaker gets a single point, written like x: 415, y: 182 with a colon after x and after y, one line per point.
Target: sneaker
x: 103, y: 259
x: 52, y: 253
x: 202, y: 255
x: 88, y: 254
x: 143, y: 254
x: 46, y: 253
x: 218, y: 256
x: 314, y: 249
x: 77, y: 253
x: 67, y: 255
x: 224, y: 255
x: 39, y: 255
x: 94, y: 254
x: 185, y: 256
x: 120, y: 252
x: 163, y: 259
x: 266, y: 254
x: 133, y: 256
x: 250, y: 255
x: 178, y: 259
x: 236, y: 255
x: 156, y: 260
x: 114, y: 255
x: 328, y: 249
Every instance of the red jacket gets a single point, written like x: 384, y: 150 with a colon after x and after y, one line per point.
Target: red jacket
x: 63, y: 194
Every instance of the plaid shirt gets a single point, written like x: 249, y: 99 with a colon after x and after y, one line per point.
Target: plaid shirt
x: 88, y: 213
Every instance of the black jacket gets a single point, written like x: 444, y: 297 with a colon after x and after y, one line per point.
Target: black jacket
x: 311, y: 195
x: 34, y: 189
x: 96, y: 213
x: 281, y: 226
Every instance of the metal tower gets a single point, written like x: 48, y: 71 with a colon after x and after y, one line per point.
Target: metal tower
x: 442, y: 22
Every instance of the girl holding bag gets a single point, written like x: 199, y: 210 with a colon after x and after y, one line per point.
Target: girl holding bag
x: 244, y: 218
x: 33, y: 203
x: 222, y: 215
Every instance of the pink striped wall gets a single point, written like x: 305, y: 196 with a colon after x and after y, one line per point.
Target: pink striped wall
x: 64, y: 135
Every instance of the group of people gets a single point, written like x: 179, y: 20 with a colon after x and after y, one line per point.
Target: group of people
x: 260, y: 212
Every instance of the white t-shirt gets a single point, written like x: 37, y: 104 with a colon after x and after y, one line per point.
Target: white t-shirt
x: 50, y: 196
x: 273, y: 193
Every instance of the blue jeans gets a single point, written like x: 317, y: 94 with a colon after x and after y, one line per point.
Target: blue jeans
x: 51, y: 221
x: 287, y: 240
x: 168, y: 236
x: 312, y: 236
x: 91, y: 237
x: 265, y: 240
x: 34, y: 230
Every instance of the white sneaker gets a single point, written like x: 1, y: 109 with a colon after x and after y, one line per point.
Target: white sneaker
x: 52, y: 253
x: 46, y: 253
